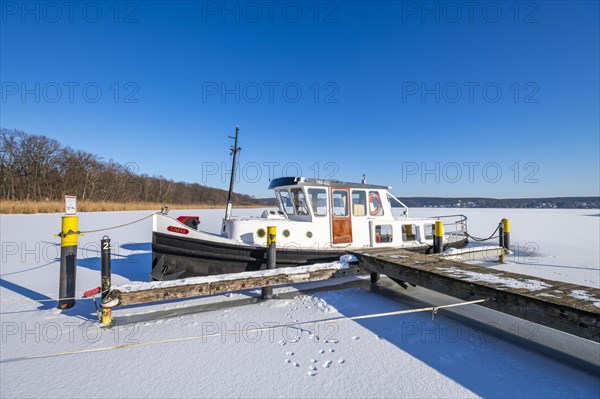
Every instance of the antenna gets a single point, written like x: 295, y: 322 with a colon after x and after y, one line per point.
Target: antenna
x: 234, y: 149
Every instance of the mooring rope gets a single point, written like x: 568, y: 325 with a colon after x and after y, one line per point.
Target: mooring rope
x: 433, y: 309
x: 28, y: 300
x: 164, y: 210
x: 483, y: 239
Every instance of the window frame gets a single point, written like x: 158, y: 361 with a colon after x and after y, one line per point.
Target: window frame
x: 313, y: 210
x: 346, y: 207
x: 366, y: 203
x: 282, y: 203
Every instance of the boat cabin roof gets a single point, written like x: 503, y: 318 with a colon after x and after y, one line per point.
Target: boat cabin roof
x: 307, y: 181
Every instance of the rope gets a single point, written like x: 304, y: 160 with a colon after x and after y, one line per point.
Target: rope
x: 483, y: 239
x: 197, y: 337
x: 116, y: 227
x: 164, y: 211
x: 27, y: 300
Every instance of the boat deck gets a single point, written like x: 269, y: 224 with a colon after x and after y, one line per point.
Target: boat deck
x: 566, y: 307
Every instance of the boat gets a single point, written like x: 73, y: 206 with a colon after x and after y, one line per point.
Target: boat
x: 316, y: 220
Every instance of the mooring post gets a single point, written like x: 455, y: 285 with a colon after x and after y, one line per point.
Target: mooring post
x: 68, y: 261
x: 105, y: 275
x: 438, y: 237
x: 506, y: 228
x: 267, y: 292
x: 374, y: 277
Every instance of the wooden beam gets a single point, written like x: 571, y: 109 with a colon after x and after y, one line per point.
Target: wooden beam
x: 119, y: 296
x: 555, y: 304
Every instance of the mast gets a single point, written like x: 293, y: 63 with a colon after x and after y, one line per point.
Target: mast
x: 234, y: 150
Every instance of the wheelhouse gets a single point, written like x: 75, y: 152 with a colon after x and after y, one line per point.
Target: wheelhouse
x: 307, y: 199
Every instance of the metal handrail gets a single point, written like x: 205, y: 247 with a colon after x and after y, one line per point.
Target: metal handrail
x: 462, y: 222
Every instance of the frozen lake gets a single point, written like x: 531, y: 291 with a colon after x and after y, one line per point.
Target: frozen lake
x: 175, y: 350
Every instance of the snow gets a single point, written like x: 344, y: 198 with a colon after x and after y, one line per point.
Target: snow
x: 585, y: 296
x: 502, y: 282
x: 458, y: 251
x: 342, y: 264
x: 234, y: 345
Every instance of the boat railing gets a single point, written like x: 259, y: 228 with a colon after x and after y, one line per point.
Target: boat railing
x: 454, y: 225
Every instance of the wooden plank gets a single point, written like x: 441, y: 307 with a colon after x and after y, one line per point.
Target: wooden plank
x: 217, y: 287
x: 555, y: 304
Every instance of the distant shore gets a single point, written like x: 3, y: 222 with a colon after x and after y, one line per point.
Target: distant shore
x: 31, y: 207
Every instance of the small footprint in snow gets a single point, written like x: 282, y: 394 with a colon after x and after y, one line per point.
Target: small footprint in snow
x: 289, y: 353
x: 327, y: 364
x: 288, y: 361
x: 296, y: 364
x: 313, y: 360
x: 321, y: 351
x: 355, y: 337
x: 341, y: 361
x: 311, y: 373
x: 331, y: 350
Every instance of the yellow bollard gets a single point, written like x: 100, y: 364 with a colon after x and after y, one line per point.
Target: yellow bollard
x: 70, y: 228
x: 267, y: 292
x: 438, y: 237
x: 271, y: 235
x: 68, y: 261
x: 506, y: 228
x: 106, y: 316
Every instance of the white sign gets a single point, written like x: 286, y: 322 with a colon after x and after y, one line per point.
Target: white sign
x: 70, y: 205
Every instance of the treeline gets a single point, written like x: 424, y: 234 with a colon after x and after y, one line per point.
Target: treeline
x: 38, y: 168
x: 542, y: 203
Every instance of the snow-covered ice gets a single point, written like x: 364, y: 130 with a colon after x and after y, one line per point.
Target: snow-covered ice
x: 285, y: 347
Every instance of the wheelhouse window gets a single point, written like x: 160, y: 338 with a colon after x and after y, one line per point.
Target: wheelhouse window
x: 384, y: 233
x: 340, y: 202
x: 409, y: 232
x: 375, y: 204
x: 359, y: 203
x: 429, y: 232
x: 299, y: 201
x: 286, y: 202
x: 318, y: 201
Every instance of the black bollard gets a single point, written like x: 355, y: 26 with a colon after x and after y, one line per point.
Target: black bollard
x: 374, y: 277
x: 105, y: 276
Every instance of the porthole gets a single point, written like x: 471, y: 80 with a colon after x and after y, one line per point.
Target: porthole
x: 309, y: 234
x: 286, y: 233
x: 261, y: 233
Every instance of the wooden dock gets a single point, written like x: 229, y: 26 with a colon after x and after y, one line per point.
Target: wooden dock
x: 133, y: 294
x: 566, y: 307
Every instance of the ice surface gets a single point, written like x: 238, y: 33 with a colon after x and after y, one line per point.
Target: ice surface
x: 170, y: 350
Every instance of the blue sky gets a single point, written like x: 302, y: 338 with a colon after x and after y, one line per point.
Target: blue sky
x: 497, y: 99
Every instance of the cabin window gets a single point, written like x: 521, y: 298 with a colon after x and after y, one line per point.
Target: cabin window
x: 429, y: 232
x: 286, y: 203
x: 375, y: 205
x: 299, y: 201
x: 318, y: 200
x: 409, y: 232
x: 340, y: 202
x: 359, y: 203
x: 384, y: 233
